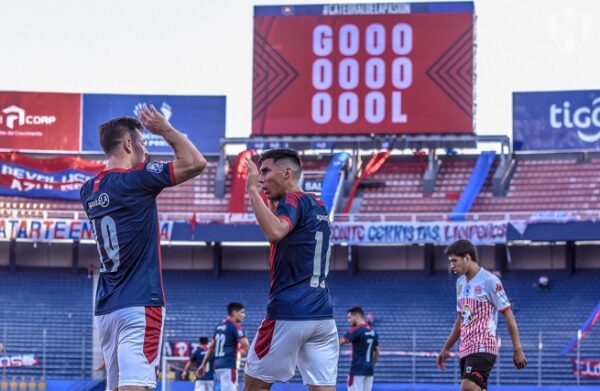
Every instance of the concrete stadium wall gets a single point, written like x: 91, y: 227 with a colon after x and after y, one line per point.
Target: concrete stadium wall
x: 588, y: 256
x: 529, y: 257
x: 537, y: 257
x: 391, y: 258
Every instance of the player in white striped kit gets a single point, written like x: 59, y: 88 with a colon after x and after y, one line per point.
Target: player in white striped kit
x: 480, y: 295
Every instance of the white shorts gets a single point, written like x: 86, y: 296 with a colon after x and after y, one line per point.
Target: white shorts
x: 282, y: 345
x: 131, y: 339
x: 228, y: 377
x: 360, y: 383
x: 204, y: 385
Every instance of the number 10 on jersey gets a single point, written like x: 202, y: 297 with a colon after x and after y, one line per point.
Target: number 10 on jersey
x: 108, y: 241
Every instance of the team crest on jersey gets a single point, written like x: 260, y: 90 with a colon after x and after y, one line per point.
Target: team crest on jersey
x: 478, y: 290
x: 467, y: 315
x: 154, y: 167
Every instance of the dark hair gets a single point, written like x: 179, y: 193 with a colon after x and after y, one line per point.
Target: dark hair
x: 357, y: 311
x: 282, y: 154
x: 203, y: 340
x: 234, y: 307
x: 461, y: 248
x: 112, y: 132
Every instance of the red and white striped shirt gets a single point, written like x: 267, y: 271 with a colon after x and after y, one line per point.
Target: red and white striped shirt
x: 478, y: 303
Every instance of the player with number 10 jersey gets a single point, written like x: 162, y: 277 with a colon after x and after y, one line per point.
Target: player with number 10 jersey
x: 121, y: 204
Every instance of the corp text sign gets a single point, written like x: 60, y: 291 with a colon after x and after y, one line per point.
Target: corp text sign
x: 39, y: 121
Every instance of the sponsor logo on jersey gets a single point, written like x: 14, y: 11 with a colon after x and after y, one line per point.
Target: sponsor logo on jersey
x: 323, y: 218
x: 154, y: 167
x: 499, y: 287
x: 459, y: 289
x: 103, y: 200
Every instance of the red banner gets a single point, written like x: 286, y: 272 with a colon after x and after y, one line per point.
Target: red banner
x: 362, y: 74
x: 21, y: 360
x: 59, y: 177
x: 587, y: 368
x: 38, y: 121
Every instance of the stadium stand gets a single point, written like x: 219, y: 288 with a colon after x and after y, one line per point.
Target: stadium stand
x: 550, y: 183
x: 404, y: 303
x: 540, y: 182
x: 32, y: 300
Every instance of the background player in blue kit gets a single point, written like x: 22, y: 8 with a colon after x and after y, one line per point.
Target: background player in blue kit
x: 228, y: 336
x: 121, y: 204
x: 205, y: 380
x: 299, y: 330
x: 365, y: 351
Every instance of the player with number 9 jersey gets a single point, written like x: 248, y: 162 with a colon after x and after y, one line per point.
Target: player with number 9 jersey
x: 121, y: 205
x: 299, y: 330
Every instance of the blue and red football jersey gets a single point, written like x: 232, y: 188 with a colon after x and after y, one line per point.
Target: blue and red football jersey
x: 226, y: 336
x: 299, y: 262
x: 364, y: 341
x: 197, y: 358
x: 121, y: 204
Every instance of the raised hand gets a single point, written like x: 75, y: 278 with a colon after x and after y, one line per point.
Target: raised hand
x: 252, y: 178
x: 154, y: 121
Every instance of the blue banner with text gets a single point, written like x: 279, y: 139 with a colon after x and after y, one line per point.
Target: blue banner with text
x: 200, y: 118
x: 556, y: 120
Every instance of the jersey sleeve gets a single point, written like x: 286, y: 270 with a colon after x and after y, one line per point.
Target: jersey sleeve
x: 197, y: 356
x: 289, y: 209
x: 350, y: 335
x: 239, y: 333
x: 153, y: 177
x: 458, y: 289
x: 497, y: 294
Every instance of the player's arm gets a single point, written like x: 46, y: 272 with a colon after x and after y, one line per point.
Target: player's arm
x: 188, y: 162
x: 273, y: 227
x: 244, y: 344
x: 186, y: 368
x: 519, y: 358
x: 209, y: 353
x: 376, y: 354
x: 344, y: 340
x: 452, y: 338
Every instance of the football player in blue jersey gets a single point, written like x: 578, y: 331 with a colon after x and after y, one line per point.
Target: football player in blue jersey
x: 204, y: 376
x: 228, y: 337
x: 299, y: 330
x: 365, y: 351
x: 121, y: 205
